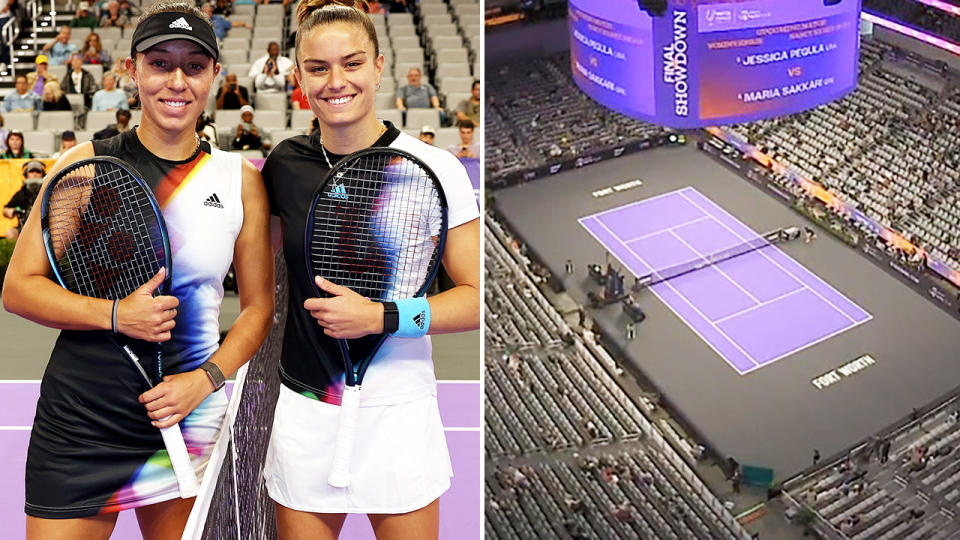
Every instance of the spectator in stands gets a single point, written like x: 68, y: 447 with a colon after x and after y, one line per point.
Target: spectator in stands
x: 418, y: 95
x: 206, y: 129
x: 7, y: 8
x: 15, y: 146
x: 36, y: 80
x: 67, y: 141
x: 220, y: 23
x: 122, y: 125
x: 125, y: 82
x: 129, y: 10
x: 467, y: 148
x: 247, y: 136
x: 270, y: 71
x: 223, y: 7
x: 469, y: 109
x: 60, y: 49
x: 297, y: 99
x: 84, y: 17
x: 232, y: 96
x: 113, y: 17
x: 816, y: 456
x: 427, y: 135
x: 22, y: 201
x: 22, y: 99
x: 79, y: 81
x: 3, y: 135
x: 93, y: 52
x: 109, y: 98
x: 53, y: 98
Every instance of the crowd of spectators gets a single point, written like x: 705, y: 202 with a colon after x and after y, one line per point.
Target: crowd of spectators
x: 82, y: 69
x: 569, y: 453
x: 888, y: 149
x: 927, y: 18
x: 536, y: 115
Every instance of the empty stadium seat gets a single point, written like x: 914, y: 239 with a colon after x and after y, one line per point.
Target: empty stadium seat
x: 391, y: 115
x: 55, y: 120
x: 417, y: 118
x: 301, y: 119
x: 41, y: 143
x: 271, y: 101
x: 18, y: 120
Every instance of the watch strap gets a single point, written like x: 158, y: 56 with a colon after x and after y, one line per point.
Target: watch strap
x: 391, y: 318
x: 213, y: 372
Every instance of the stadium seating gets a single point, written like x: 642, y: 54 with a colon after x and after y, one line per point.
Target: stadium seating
x: 889, y: 148
x: 543, y: 397
x: 539, y: 116
x: 405, y: 40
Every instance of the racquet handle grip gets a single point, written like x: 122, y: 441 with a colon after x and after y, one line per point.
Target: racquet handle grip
x: 180, y: 459
x: 346, y: 433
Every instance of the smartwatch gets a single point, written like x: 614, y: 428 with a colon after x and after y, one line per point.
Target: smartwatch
x: 391, y: 318
x: 216, y: 376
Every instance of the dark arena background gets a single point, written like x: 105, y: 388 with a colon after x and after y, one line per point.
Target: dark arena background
x: 799, y: 376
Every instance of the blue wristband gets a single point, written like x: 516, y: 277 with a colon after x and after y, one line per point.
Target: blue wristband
x: 414, y: 317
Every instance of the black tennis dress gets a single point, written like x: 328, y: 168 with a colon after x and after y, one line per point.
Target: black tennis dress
x: 92, y: 448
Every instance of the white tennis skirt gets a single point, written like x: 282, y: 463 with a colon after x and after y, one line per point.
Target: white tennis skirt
x: 400, y: 460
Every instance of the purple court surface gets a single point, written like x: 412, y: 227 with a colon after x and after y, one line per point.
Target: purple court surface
x: 461, y: 507
x: 753, y: 309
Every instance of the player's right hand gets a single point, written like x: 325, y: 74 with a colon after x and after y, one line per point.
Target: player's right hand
x: 144, y: 316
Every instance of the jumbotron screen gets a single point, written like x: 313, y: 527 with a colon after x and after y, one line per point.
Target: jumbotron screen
x: 712, y: 62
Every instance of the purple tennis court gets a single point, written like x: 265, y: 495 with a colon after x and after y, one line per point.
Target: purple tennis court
x: 459, y: 408
x: 753, y: 309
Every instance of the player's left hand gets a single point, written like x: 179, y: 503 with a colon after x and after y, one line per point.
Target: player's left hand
x: 177, y: 396
x: 345, y: 315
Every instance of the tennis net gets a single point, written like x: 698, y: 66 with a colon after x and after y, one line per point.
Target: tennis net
x: 773, y: 237
x: 233, y: 502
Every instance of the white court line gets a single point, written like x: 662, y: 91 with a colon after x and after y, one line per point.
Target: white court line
x: 668, y: 229
x: 717, y: 268
x: 682, y: 318
x: 808, y: 345
x: 28, y: 428
x: 760, y: 305
x: 778, y: 265
x: 609, y: 249
x: 635, y: 203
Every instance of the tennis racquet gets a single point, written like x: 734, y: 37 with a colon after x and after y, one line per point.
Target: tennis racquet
x: 377, y: 225
x: 105, y: 237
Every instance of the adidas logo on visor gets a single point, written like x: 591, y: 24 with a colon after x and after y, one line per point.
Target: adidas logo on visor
x: 337, y: 191
x: 213, y: 201
x: 182, y: 24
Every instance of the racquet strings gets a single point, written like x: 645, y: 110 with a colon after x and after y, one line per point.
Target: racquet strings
x: 376, y: 226
x: 105, y: 233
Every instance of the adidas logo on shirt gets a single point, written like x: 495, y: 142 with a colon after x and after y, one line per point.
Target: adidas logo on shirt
x: 337, y: 191
x: 182, y: 24
x: 213, y: 201
x: 419, y: 319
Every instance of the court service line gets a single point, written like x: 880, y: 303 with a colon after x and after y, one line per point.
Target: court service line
x: 668, y: 229
x: 717, y: 268
x: 760, y: 305
x: 609, y: 249
x: 811, y: 344
x: 689, y: 303
x: 777, y: 264
x: 635, y: 203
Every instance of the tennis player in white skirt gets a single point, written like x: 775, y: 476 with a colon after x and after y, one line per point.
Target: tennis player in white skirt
x: 400, y: 463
